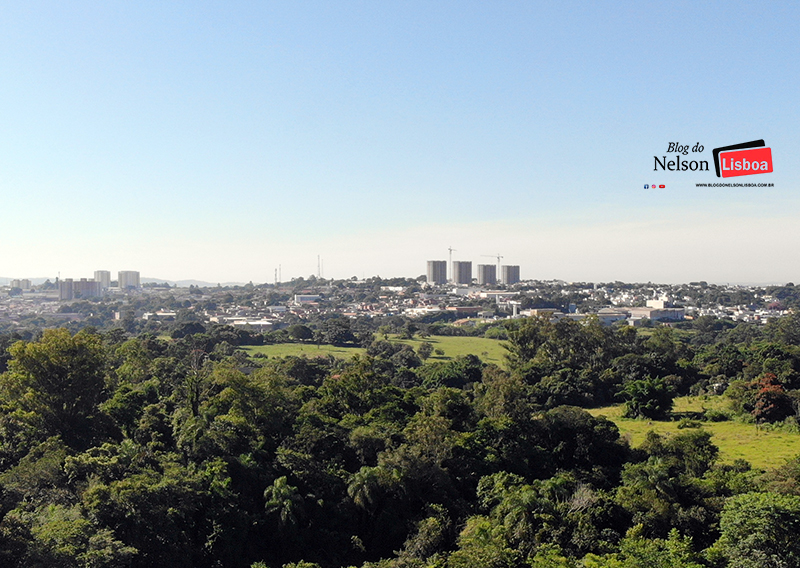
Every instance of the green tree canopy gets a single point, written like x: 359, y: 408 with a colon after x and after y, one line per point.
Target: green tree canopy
x: 60, y: 377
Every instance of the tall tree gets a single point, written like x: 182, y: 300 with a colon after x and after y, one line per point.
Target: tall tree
x: 759, y: 530
x: 62, y: 378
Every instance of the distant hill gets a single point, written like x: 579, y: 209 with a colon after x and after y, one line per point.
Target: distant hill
x: 4, y: 281
x: 34, y: 281
x: 187, y: 283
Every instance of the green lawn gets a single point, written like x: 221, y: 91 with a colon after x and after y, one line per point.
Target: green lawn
x: 301, y: 349
x: 489, y: 350
x: 763, y: 449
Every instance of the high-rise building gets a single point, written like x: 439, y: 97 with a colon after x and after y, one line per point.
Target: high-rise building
x: 65, y: 289
x: 69, y: 289
x: 103, y: 277
x: 127, y: 279
x: 437, y: 272
x: 487, y: 274
x: 84, y: 288
x: 23, y: 284
x: 462, y: 272
x: 510, y: 274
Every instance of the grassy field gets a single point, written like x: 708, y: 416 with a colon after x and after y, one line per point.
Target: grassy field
x: 489, y: 350
x: 763, y: 449
x: 303, y: 349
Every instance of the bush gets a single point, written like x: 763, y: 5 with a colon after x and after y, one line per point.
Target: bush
x: 647, y: 398
x: 496, y: 332
x: 716, y: 415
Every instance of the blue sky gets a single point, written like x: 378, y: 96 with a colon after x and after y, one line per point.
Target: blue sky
x: 218, y: 140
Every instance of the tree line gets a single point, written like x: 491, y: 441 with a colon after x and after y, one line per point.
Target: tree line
x: 134, y: 450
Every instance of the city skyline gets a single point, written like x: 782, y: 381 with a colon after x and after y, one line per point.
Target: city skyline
x: 219, y: 142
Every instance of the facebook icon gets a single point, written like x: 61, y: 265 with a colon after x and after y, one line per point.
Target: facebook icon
x: 646, y: 186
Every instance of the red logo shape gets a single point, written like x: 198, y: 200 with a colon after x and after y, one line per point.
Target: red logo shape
x: 746, y: 162
x: 662, y: 186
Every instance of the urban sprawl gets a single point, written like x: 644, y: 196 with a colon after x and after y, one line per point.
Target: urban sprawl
x: 451, y: 296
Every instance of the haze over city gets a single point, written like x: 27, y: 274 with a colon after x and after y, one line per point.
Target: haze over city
x: 399, y: 284
x: 219, y: 141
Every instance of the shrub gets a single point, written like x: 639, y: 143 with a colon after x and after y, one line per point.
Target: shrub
x: 647, y: 398
x: 716, y: 415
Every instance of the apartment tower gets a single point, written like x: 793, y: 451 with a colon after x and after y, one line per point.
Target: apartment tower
x: 487, y: 274
x: 437, y: 272
x: 103, y: 277
x: 462, y: 272
x: 509, y: 274
x: 128, y: 279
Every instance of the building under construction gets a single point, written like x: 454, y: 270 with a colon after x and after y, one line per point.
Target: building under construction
x: 487, y: 274
x: 509, y: 274
x: 462, y: 272
x: 437, y: 272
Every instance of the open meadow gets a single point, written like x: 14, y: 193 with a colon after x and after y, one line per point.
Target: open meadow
x: 303, y: 350
x: 489, y: 350
x: 762, y: 448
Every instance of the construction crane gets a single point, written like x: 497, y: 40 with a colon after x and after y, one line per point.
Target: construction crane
x: 450, y: 266
x: 498, y: 256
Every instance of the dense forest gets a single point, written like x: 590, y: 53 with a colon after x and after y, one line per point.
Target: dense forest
x: 120, y: 449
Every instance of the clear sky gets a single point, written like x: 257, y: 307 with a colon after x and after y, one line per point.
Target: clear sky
x: 217, y: 140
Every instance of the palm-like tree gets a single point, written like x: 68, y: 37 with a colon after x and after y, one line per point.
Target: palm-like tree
x: 284, y: 500
x: 364, y: 488
x: 523, y: 513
